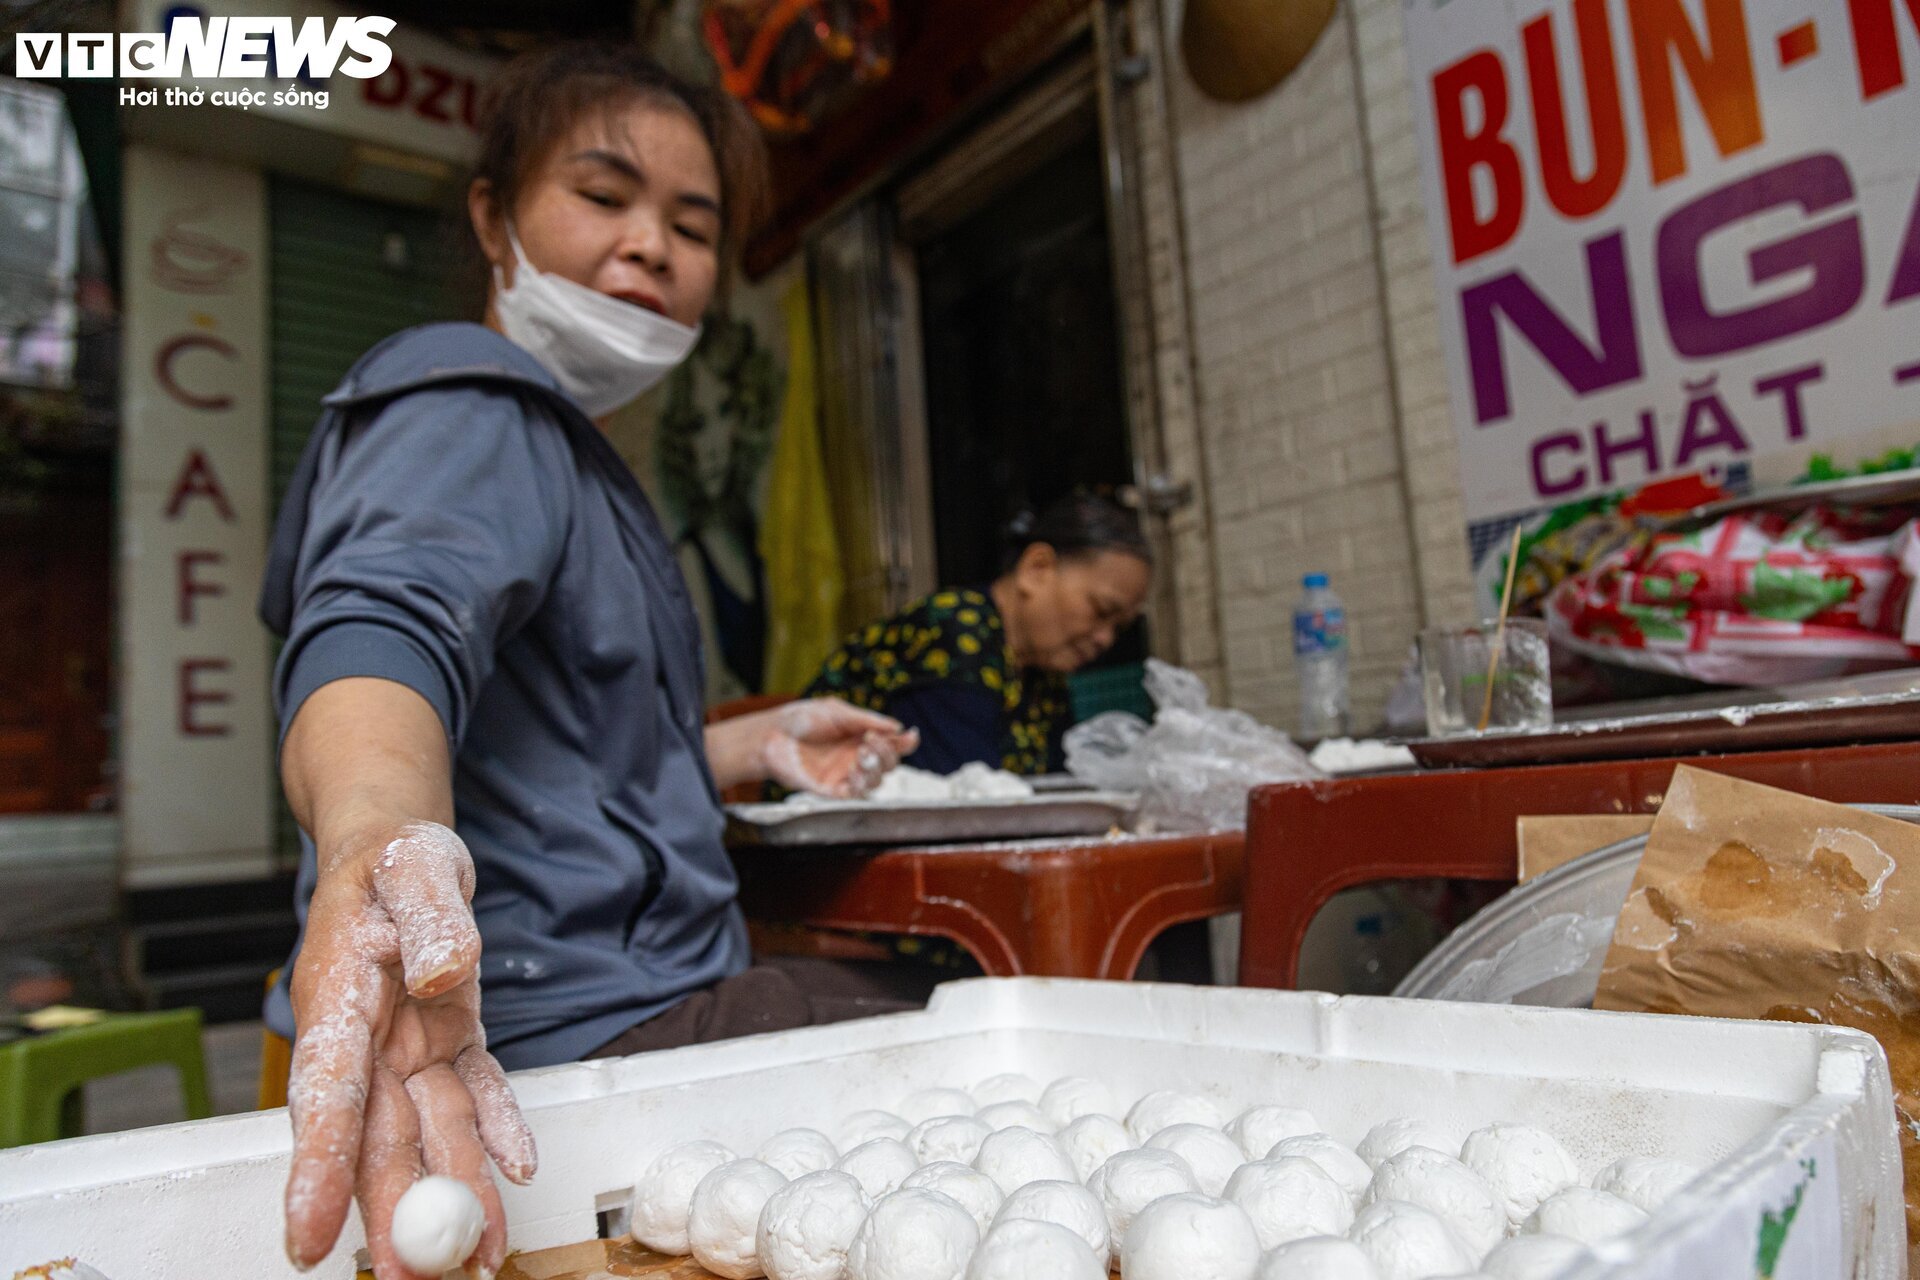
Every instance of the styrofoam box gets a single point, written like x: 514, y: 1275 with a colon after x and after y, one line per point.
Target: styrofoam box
x: 1788, y: 1116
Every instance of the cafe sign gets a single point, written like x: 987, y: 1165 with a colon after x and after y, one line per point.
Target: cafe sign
x: 1668, y: 235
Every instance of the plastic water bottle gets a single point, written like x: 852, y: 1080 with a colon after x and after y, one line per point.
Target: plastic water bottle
x: 1320, y: 654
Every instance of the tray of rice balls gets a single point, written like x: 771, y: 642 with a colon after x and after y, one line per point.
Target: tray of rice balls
x: 913, y: 806
x: 1045, y: 1129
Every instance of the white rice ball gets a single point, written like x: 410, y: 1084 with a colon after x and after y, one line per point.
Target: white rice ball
x: 880, y: 1165
x: 1014, y: 1157
x: 1065, y: 1204
x: 1583, y: 1214
x: 1532, y: 1257
x: 1522, y: 1164
x: 1335, y: 1158
x: 1318, y: 1258
x: 948, y: 1138
x: 1390, y: 1137
x: 1027, y: 1250
x: 723, y: 1222
x: 807, y: 1226
x: 1091, y: 1141
x: 1290, y: 1199
x: 657, y: 1214
x: 1190, y: 1237
x: 1070, y: 1097
x: 1132, y: 1180
x: 1211, y: 1154
x: 972, y: 1190
x: 865, y: 1126
x: 928, y: 1103
x: 798, y: 1151
x: 1257, y: 1128
x: 1423, y: 1176
x: 913, y: 1234
x: 1011, y: 1086
x: 1010, y: 1115
x: 437, y: 1224
x: 1166, y: 1107
x: 1407, y: 1242
x: 1645, y: 1182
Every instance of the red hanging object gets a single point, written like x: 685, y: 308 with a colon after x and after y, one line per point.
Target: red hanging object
x: 794, y: 63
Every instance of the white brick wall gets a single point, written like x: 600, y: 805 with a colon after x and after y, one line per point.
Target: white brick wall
x: 1321, y: 394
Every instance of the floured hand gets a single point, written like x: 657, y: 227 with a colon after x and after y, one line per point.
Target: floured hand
x: 821, y: 745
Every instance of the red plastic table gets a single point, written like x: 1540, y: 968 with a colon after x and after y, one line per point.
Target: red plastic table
x: 1048, y: 907
x: 1307, y: 841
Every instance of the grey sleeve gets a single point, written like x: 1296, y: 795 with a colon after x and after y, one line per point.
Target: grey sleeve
x: 432, y: 533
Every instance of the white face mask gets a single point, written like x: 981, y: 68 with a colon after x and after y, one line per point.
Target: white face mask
x: 603, y: 351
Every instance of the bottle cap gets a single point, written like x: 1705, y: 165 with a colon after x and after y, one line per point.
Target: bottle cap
x: 1313, y: 581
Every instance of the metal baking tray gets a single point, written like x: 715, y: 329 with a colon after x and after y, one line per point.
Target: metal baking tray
x: 863, y: 822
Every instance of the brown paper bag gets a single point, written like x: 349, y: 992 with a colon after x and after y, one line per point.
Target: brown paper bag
x: 1757, y: 903
x: 1550, y: 841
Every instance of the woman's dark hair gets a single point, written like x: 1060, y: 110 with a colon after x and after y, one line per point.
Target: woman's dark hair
x: 1083, y: 523
x: 542, y: 94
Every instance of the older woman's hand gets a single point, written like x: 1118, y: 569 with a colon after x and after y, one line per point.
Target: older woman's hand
x: 391, y: 1075
x: 821, y: 745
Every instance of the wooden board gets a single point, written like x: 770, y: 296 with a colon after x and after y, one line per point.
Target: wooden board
x: 602, y: 1260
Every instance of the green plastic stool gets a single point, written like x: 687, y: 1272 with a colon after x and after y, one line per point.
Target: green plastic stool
x: 40, y: 1076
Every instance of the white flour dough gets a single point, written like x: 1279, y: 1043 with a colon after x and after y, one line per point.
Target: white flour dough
x: 881, y: 1165
x: 928, y: 1103
x: 1407, y: 1242
x: 913, y: 1234
x: 1423, y: 1176
x: 1006, y: 1115
x: 1532, y: 1257
x: 1645, y: 1182
x: 723, y: 1224
x: 1390, y: 1137
x: 1335, y: 1158
x: 1289, y: 1199
x: 1583, y: 1214
x: 657, y: 1215
x: 798, y: 1151
x: 865, y: 1126
x: 436, y: 1224
x: 1070, y: 1097
x: 1027, y: 1250
x: 1010, y: 1086
x: 972, y: 1190
x: 807, y: 1226
x: 1212, y: 1155
x: 1257, y: 1128
x: 1318, y: 1258
x: 1190, y: 1237
x: 1132, y: 1180
x: 1165, y: 1107
x: 1066, y: 1204
x: 1014, y: 1157
x: 948, y: 1138
x: 1091, y: 1141
x: 1522, y: 1164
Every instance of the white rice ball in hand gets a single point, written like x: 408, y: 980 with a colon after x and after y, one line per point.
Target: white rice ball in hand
x: 1014, y: 1157
x: 1522, y: 1164
x: 1012, y: 1115
x: 865, y: 1126
x: 1290, y: 1199
x: 1337, y: 1160
x: 1132, y: 1180
x: 880, y: 1165
x: 657, y: 1214
x: 1027, y: 1250
x: 1211, y: 1154
x: 1071, y: 1097
x: 436, y: 1225
x: 1533, y: 1257
x: 913, y: 1234
x: 972, y: 1190
x: 1423, y: 1176
x: 723, y: 1222
x: 1091, y: 1141
x: 948, y: 1138
x: 1407, y: 1242
x: 1190, y: 1237
x: 1257, y: 1128
x: 1318, y: 1258
x: 1065, y: 1204
x: 928, y: 1103
x: 807, y: 1226
x: 798, y: 1151
x: 1166, y: 1107
x: 1010, y: 1086
x: 1645, y: 1182
x: 1390, y: 1137
x: 1583, y: 1214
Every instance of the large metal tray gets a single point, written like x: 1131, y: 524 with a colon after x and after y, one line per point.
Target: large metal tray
x: 862, y: 822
